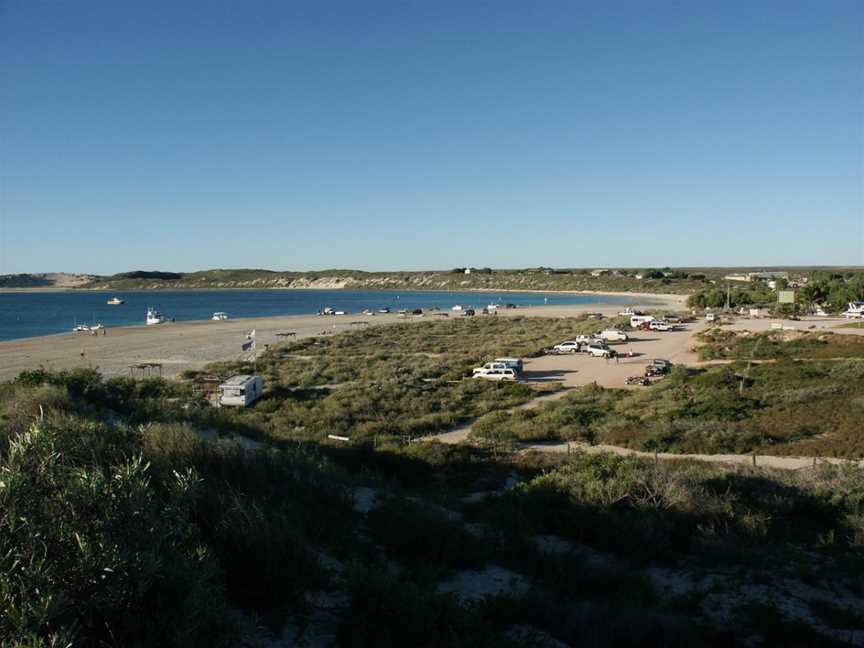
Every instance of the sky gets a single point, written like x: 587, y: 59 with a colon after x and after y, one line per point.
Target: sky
x: 377, y: 135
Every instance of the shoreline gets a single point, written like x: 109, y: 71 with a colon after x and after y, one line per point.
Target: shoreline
x: 179, y: 346
x: 665, y: 300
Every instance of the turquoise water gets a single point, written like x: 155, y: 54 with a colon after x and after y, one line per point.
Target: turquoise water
x: 46, y: 313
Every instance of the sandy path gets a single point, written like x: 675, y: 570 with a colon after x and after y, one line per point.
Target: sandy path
x: 763, y: 461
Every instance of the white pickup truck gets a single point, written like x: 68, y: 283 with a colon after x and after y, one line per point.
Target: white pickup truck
x: 614, y: 335
x: 658, y: 325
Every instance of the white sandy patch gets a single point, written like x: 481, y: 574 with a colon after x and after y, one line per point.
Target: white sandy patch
x: 492, y: 580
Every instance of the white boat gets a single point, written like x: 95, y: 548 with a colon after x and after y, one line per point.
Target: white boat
x: 153, y: 317
x: 855, y: 310
x: 457, y: 308
x: 115, y: 301
x: 384, y: 310
x: 628, y: 312
x: 80, y: 328
x: 97, y: 327
x: 219, y: 316
x: 492, y: 307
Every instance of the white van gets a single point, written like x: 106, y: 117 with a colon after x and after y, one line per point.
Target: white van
x: 710, y: 317
x: 614, y: 335
x: 240, y: 391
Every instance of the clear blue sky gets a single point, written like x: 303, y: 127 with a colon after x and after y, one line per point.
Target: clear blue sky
x: 421, y: 135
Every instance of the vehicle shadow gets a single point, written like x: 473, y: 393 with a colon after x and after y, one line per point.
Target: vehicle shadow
x: 546, y: 376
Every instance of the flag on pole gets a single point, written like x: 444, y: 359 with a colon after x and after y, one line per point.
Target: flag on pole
x: 249, y: 342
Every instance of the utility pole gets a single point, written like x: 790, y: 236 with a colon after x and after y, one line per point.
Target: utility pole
x: 728, y: 297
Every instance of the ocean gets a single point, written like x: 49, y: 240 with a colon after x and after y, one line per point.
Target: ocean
x: 30, y: 314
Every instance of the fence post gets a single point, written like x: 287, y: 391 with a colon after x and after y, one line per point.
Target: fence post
x: 754, y: 459
x: 656, y: 457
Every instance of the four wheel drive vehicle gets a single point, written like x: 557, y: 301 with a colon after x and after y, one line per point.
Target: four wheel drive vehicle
x: 658, y: 368
x: 570, y: 346
x: 490, y: 366
x: 672, y: 319
x: 512, y: 363
x: 614, y: 335
x: 495, y: 374
x: 468, y: 312
x: 657, y: 325
x: 710, y: 317
x: 598, y: 351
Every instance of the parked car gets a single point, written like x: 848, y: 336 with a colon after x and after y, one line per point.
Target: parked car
x: 570, y: 346
x: 658, y: 367
x: 599, y: 351
x: 490, y: 366
x: 658, y: 325
x: 614, y: 335
x: 710, y: 317
x: 495, y: 374
x: 468, y: 312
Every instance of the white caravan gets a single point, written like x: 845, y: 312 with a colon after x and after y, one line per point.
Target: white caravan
x: 240, y: 391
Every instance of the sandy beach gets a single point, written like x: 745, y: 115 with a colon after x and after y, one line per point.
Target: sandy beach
x: 191, y: 345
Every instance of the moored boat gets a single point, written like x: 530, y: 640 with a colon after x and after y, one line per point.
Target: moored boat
x: 115, y: 301
x: 153, y: 317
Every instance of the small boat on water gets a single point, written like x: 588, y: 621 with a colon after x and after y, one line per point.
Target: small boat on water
x: 80, y: 328
x: 153, y: 317
x: 219, y: 316
x: 384, y: 310
x: 115, y: 301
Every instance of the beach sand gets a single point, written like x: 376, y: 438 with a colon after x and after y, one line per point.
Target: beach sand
x: 191, y: 345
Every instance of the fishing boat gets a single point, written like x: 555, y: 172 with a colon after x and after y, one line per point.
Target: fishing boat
x: 115, y: 301
x: 855, y: 310
x: 80, y: 328
x: 153, y: 317
x: 219, y: 317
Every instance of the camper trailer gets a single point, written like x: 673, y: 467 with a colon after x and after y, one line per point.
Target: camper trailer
x: 240, y: 391
x: 638, y: 320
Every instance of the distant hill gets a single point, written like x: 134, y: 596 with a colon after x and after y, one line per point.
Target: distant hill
x: 648, y: 280
x: 45, y: 280
x: 652, y: 281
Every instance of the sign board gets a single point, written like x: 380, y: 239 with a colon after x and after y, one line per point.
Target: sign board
x: 786, y: 296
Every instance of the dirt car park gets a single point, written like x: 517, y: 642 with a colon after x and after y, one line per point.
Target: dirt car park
x: 576, y: 369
